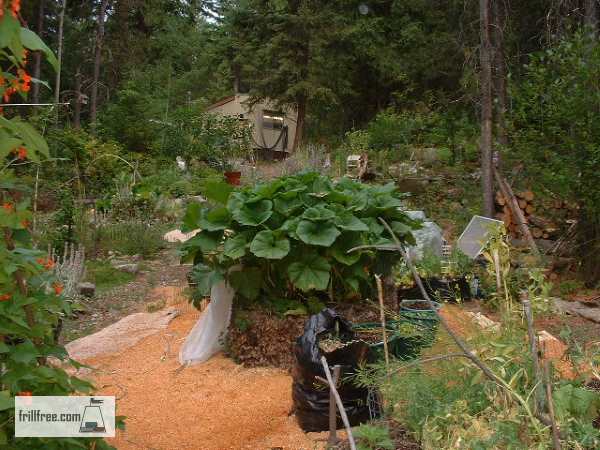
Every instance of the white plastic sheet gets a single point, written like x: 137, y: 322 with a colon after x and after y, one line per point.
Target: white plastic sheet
x: 473, y: 240
x: 206, y: 338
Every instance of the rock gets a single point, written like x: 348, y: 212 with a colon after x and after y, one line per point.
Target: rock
x: 551, y: 347
x: 121, y: 335
x: 578, y: 309
x: 178, y: 236
x: 136, y: 258
x: 86, y: 289
x: 129, y: 268
x: 483, y: 321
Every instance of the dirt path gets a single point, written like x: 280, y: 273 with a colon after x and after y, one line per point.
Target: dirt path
x: 215, y: 405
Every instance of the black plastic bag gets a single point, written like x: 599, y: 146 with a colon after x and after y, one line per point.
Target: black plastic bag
x: 309, y: 394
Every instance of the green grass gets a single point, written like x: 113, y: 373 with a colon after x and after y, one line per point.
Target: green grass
x: 105, y: 276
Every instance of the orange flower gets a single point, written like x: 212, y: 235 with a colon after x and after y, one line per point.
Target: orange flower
x: 58, y: 288
x: 25, y: 79
x: 25, y: 223
x: 15, y: 7
x: 46, y: 262
x: 24, y: 394
x: 5, y: 297
x: 8, y: 92
x: 8, y: 206
x: 22, y: 153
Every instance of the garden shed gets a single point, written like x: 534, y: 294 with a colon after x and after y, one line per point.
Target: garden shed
x: 273, y: 128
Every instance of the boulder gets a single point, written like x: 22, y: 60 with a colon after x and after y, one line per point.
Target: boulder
x: 120, y: 335
x: 86, y: 289
x: 129, y: 268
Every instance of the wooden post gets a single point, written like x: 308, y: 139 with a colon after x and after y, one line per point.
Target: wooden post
x: 539, y: 393
x: 332, y: 409
x: 339, y: 402
x: 382, y: 318
x: 549, y: 400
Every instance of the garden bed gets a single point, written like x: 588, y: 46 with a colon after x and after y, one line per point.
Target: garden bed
x: 259, y: 338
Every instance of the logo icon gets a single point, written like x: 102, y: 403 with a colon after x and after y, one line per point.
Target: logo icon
x: 92, y: 420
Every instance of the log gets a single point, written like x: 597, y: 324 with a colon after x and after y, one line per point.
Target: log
x: 537, y: 232
x: 530, y: 209
x: 522, y: 203
x: 500, y: 200
x: 528, y: 196
x: 541, y: 222
x: 516, y: 211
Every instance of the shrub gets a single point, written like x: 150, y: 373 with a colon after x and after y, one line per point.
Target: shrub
x: 291, y: 237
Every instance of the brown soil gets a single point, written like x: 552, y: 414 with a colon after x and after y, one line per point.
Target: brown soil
x: 259, y: 338
x: 215, y: 405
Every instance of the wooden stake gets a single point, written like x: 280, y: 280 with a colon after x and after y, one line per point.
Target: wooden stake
x: 382, y: 318
x: 339, y: 402
x: 540, y: 401
x: 333, y: 440
x: 550, y: 402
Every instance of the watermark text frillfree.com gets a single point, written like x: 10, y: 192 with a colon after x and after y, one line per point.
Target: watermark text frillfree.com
x: 61, y: 416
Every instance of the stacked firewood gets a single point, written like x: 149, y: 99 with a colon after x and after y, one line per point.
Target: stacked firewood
x: 540, y: 226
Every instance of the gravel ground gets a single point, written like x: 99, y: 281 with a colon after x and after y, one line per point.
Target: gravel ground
x: 213, y: 406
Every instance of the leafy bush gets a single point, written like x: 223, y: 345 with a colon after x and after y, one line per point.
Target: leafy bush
x: 30, y: 296
x: 291, y: 237
x: 131, y: 237
x: 372, y: 437
x: 210, y: 137
x: 556, y: 133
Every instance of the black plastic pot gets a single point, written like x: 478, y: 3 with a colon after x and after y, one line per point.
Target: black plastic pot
x: 310, y: 397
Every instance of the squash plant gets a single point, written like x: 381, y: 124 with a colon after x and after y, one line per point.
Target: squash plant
x: 290, y: 237
x: 30, y: 300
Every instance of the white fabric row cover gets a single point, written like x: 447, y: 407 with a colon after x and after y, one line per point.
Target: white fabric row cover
x: 206, y: 338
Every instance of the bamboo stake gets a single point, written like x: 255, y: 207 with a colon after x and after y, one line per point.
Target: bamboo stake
x: 382, y: 318
x: 550, y: 402
x: 339, y: 402
x: 332, y: 409
x: 539, y: 394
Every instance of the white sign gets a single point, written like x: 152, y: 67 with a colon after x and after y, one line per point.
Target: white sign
x: 62, y: 416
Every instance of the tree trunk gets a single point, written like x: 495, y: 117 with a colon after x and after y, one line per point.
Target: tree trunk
x: 487, y: 180
x: 61, y: 22
x: 97, y: 62
x: 37, y: 56
x: 300, y: 123
x: 500, y: 93
x: 589, y: 246
x: 590, y: 18
x: 77, y: 107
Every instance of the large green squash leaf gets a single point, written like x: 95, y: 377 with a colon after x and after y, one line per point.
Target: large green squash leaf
x: 287, y: 206
x: 348, y: 221
x: 318, y: 213
x: 205, y: 278
x: 217, y: 190
x: 247, y: 282
x: 235, y: 246
x: 267, y: 244
x: 215, y: 219
x: 317, y: 233
x: 191, y: 217
x: 310, y: 273
x: 254, y: 214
